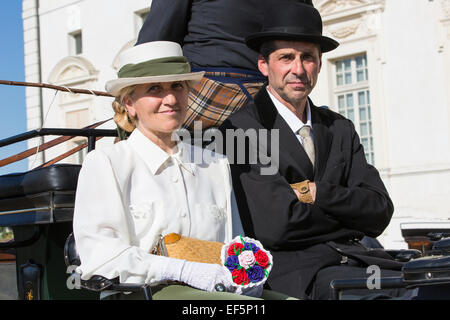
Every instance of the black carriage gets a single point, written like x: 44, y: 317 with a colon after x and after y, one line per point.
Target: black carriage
x: 39, y: 262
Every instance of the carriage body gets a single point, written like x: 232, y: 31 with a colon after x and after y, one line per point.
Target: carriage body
x: 38, y: 207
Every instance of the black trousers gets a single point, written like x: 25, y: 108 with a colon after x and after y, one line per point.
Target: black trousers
x: 355, y: 262
x: 321, y: 289
x: 306, y: 273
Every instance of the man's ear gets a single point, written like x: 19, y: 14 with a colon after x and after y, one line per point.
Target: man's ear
x: 320, y: 62
x: 262, y: 65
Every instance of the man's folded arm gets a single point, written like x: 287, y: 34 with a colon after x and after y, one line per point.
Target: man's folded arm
x: 364, y: 203
x: 278, y: 218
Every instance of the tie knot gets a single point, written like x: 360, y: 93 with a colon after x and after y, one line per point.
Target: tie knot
x: 304, y: 131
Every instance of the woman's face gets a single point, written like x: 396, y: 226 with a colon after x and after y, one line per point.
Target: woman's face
x: 158, y: 107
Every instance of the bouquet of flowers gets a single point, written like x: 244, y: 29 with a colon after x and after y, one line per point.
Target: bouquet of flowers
x: 249, y: 264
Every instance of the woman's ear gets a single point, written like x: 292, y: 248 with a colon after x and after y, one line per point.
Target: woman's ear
x: 129, y: 104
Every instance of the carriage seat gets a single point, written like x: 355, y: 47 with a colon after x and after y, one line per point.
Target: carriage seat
x: 48, y: 192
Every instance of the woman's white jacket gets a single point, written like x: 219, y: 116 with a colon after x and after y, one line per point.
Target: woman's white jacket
x: 130, y: 193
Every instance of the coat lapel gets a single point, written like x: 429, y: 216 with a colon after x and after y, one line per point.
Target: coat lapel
x: 322, y: 141
x: 298, y: 166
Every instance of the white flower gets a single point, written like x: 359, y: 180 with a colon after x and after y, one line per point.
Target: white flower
x: 247, y: 259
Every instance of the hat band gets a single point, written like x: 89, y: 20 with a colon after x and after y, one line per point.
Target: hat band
x: 156, y: 67
x: 295, y: 31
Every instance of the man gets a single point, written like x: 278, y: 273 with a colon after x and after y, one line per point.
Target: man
x: 212, y: 35
x: 324, y: 196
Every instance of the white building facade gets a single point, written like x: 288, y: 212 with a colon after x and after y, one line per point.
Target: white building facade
x: 390, y: 76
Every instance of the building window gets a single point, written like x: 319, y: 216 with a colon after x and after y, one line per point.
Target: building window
x: 75, y: 43
x: 352, y: 96
x: 77, y: 119
x: 80, y: 155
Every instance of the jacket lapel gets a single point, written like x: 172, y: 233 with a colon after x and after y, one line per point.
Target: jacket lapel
x: 322, y: 141
x: 298, y: 166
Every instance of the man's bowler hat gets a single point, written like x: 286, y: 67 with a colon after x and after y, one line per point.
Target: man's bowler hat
x: 292, y: 21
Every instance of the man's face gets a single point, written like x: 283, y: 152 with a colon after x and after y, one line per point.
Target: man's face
x: 292, y: 69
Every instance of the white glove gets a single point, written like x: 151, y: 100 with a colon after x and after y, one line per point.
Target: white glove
x: 206, y: 276
x: 203, y: 276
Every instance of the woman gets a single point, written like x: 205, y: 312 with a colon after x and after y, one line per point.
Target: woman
x: 130, y: 193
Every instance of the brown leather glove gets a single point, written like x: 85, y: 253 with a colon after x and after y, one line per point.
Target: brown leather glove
x: 304, y: 194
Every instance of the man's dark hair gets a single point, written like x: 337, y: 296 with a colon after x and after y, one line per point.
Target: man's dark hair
x: 270, y: 46
x: 307, y: 2
x: 267, y: 48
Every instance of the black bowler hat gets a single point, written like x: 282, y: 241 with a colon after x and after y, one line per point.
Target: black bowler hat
x: 292, y: 21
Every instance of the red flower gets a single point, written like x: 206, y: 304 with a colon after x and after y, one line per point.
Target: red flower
x: 235, y: 249
x: 261, y: 258
x: 240, y: 276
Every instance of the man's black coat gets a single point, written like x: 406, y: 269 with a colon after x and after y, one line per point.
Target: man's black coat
x: 351, y: 199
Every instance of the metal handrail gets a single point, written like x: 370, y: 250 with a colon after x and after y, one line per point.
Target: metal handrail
x: 67, y: 134
x: 58, y: 132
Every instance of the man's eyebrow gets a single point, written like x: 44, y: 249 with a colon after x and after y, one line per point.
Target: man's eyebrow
x: 285, y: 53
x: 308, y: 51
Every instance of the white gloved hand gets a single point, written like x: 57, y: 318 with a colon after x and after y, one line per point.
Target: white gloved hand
x: 206, y: 276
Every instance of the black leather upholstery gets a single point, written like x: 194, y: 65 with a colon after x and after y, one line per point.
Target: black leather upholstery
x: 43, y: 195
x: 442, y: 247
x: 71, y: 256
x: 427, y: 270
x: 404, y: 255
x: 58, y: 177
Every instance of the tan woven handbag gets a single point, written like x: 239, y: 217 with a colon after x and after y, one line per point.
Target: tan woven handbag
x: 174, y: 245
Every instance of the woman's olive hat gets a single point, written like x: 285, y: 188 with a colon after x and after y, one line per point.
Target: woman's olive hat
x: 157, y: 61
x: 292, y: 21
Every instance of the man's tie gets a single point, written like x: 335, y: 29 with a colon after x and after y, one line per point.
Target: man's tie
x: 308, y: 143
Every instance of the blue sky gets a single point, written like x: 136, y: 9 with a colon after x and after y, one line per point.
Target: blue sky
x: 13, y: 119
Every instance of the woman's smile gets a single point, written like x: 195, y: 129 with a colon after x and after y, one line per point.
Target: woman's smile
x: 170, y: 111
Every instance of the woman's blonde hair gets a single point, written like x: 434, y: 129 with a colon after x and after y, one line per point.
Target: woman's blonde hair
x: 122, y: 118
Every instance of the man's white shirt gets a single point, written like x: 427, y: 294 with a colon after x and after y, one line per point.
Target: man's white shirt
x: 291, y: 118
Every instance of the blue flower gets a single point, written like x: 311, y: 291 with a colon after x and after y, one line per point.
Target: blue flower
x: 232, y: 263
x: 251, y: 246
x: 255, y: 273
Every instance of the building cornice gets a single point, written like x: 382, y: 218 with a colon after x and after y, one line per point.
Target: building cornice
x: 73, y: 69
x: 332, y: 10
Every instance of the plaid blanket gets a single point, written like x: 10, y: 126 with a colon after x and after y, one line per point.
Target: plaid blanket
x: 219, y: 94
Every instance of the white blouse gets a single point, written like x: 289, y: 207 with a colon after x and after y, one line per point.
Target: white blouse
x: 130, y: 193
